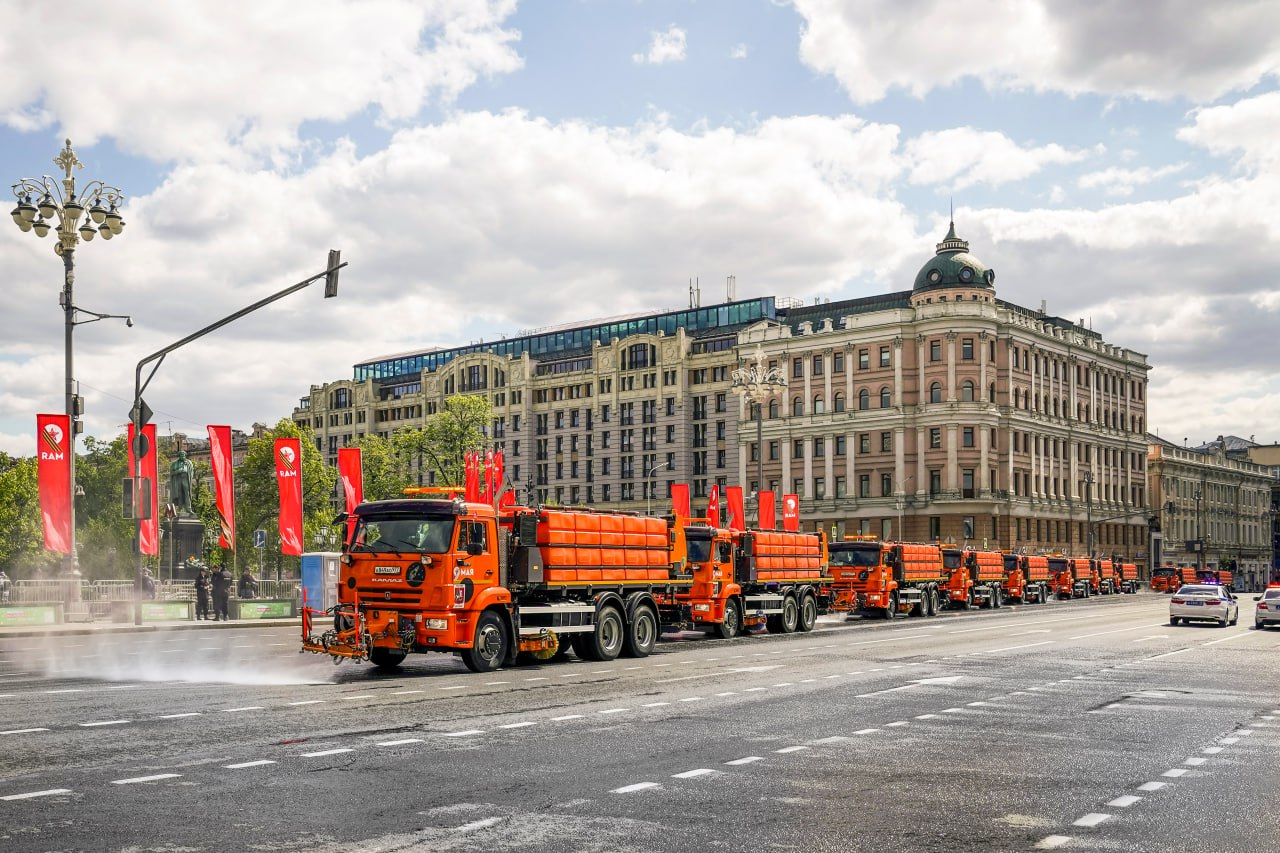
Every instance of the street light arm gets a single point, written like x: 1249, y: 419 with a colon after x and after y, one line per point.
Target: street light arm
x: 97, y: 316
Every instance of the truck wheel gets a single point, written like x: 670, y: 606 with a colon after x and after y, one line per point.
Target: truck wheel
x: 996, y: 603
x: 808, y: 613
x: 934, y: 605
x: 921, y: 608
x: 786, y: 621
x: 891, y: 612
x: 605, y: 643
x: 732, y: 624
x: 490, y: 648
x: 642, y: 635
x: 386, y: 659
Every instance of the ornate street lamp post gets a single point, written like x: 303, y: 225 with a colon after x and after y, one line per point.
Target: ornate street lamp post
x: 757, y: 383
x: 47, y: 204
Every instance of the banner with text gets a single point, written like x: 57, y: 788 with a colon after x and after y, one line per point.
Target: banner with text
x: 224, y: 489
x: 150, y: 529
x: 288, y: 453
x: 53, y: 475
x: 790, y: 512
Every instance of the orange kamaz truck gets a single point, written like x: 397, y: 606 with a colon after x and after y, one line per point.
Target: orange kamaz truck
x: 886, y: 578
x: 1169, y: 578
x: 1103, y: 581
x: 444, y: 575
x: 743, y: 579
x: 974, y: 578
x: 1026, y: 578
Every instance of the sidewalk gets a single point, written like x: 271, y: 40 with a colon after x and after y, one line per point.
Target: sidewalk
x: 72, y: 629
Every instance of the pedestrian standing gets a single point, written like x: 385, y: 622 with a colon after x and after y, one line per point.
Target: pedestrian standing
x: 6, y: 587
x: 203, y: 588
x: 248, y: 585
x: 221, y: 581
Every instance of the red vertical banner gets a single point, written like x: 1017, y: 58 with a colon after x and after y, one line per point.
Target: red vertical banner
x: 471, y: 478
x: 790, y: 512
x: 150, y: 540
x: 351, y: 473
x: 680, y: 500
x: 53, y: 475
x: 737, y: 514
x: 486, y: 479
x: 289, y: 477
x: 713, y: 505
x: 224, y: 489
x: 499, y: 476
x: 767, y: 510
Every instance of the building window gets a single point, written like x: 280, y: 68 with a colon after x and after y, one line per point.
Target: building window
x: 935, y: 527
x: 840, y: 445
x: 886, y: 485
x: 935, y: 482
x: 817, y: 365
x: 864, y: 400
x: 797, y: 368
x: 935, y: 437
x: 840, y: 487
x: 966, y: 391
x: 819, y: 488
x: 773, y: 450
x: 935, y: 392
x: 966, y: 349
x: 818, y: 406
x: 864, y: 442
x: 886, y: 399
x: 797, y: 449
x: 968, y: 437
x: 864, y: 359
x: 935, y: 350
x: 968, y: 526
x: 819, y: 448
x: 837, y: 363
x: 839, y: 402
x: 884, y: 356
x: 967, y: 484
x: 797, y: 407
x: 864, y: 485
x: 886, y: 441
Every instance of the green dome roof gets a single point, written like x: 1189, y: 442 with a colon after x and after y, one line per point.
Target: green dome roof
x: 953, y: 266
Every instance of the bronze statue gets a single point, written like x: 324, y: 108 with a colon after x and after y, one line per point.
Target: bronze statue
x: 180, y: 475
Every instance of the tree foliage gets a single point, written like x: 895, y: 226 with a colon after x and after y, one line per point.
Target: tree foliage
x: 450, y: 433
x: 385, y: 474
x: 22, y: 553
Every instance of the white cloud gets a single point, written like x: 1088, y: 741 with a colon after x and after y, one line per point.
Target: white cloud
x: 962, y: 157
x: 128, y: 73
x: 664, y: 47
x: 1122, y: 182
x: 1178, y: 48
x: 1248, y: 127
x: 738, y: 51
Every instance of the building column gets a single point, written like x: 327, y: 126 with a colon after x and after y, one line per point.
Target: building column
x: 951, y: 367
x: 808, y: 466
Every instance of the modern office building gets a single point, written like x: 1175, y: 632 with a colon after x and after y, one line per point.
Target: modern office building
x: 939, y: 412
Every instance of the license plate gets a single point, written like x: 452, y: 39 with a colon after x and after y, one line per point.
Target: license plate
x: 1195, y: 603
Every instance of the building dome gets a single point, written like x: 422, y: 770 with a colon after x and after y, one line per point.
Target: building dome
x: 954, y: 267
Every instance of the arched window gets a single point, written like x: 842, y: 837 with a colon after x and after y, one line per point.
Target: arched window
x: 935, y: 392
x: 773, y: 408
x: 864, y: 399
x: 839, y: 402
x: 818, y: 407
x: 966, y: 391
x: 886, y: 399
x: 797, y: 406
x: 991, y: 393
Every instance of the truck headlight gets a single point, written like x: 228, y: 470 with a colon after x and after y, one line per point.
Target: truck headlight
x: 436, y: 624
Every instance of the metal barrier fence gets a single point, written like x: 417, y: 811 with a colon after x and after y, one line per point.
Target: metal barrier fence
x: 90, y: 600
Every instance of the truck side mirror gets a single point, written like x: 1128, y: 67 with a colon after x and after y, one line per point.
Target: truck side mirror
x: 474, y: 549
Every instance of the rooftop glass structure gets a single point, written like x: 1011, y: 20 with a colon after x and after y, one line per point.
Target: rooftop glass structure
x: 568, y: 339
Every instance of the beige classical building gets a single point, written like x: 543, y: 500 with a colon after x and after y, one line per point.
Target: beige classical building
x: 939, y: 412
x: 1215, y: 507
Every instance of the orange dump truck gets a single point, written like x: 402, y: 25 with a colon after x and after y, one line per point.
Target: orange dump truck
x: 444, y: 575
x: 743, y: 579
x: 1026, y: 578
x: 973, y: 577
x: 1126, y: 576
x: 1169, y: 578
x: 1103, y: 581
x: 888, y: 578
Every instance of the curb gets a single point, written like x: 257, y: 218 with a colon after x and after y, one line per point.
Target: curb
x: 119, y: 628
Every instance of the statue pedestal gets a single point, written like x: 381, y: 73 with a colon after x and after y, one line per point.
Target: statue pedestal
x: 183, y: 538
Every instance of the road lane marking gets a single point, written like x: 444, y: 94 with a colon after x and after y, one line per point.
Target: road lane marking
x: 400, y: 742
x: 1011, y: 648
x: 639, y: 786
x: 1195, y: 762
x: 464, y: 733
x: 1152, y: 786
x: 1124, y: 802
x: 31, y: 794
x: 567, y: 717
x: 1176, y: 772
x: 369, y: 695
x: 522, y: 725
x: 325, y: 752
x: 22, y: 731
x: 477, y: 824
x: 245, y: 708
x: 614, y: 711
x: 1211, y: 750
x: 865, y: 731
x: 404, y: 692
x: 690, y: 774
x: 787, y: 749
x: 1092, y: 819
x: 1225, y: 639
x: 104, y: 723
x: 178, y: 716
x: 259, y: 763
x: 750, y: 759
x: 308, y: 702
x: 136, y: 779
x: 1052, y: 842
x: 1168, y: 654
x: 1116, y: 631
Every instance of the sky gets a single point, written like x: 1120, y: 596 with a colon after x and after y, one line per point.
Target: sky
x: 493, y: 166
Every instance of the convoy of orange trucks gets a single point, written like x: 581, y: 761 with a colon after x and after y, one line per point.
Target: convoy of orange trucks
x: 500, y: 585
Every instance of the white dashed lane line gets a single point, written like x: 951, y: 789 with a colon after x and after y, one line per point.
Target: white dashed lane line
x: 259, y: 763
x: 1124, y: 802
x: 325, y: 752
x: 639, y: 786
x: 400, y: 742
x: 22, y: 731
x: 1092, y: 819
x: 138, y: 779
x: 30, y: 795
x: 750, y: 759
x: 104, y: 723
x: 178, y: 716
x: 690, y: 774
x: 465, y: 733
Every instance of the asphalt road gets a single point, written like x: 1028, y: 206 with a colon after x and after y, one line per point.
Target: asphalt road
x: 1089, y: 725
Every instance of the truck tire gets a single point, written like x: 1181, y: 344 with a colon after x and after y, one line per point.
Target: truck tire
x: 996, y: 603
x: 386, y: 660
x: 934, y: 605
x: 807, y: 615
x: 786, y: 621
x: 491, y: 644
x: 606, y: 641
x: 642, y: 633
x: 732, y: 624
x: 921, y: 607
x: 891, y: 612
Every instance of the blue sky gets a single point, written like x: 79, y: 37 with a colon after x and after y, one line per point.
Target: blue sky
x: 492, y: 166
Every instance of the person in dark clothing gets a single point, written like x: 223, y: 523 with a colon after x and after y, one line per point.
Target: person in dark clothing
x: 148, y: 584
x: 203, y: 588
x: 247, y: 587
x: 221, y: 581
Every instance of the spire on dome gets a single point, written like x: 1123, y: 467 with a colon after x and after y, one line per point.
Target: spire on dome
x: 952, y: 243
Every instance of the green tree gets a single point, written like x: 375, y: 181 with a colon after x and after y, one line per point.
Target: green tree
x: 460, y: 426
x: 22, y: 553
x: 258, y: 495
x: 105, y: 536
x: 385, y: 476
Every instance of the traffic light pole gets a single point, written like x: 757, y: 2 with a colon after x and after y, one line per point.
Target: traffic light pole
x: 140, y: 413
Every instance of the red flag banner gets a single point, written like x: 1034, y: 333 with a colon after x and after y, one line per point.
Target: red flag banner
x: 486, y: 479
x: 713, y: 505
x: 150, y: 539
x: 224, y: 490
x: 471, y: 472
x: 767, y: 511
x: 351, y: 472
x: 790, y: 512
x: 737, y: 514
x: 53, y: 475
x: 289, y: 477
x: 499, y: 476
x: 680, y: 500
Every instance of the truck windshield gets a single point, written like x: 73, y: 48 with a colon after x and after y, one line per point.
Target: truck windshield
x: 1164, y: 573
x: 951, y: 559
x: 862, y: 557
x: 403, y: 534
x: 699, y: 550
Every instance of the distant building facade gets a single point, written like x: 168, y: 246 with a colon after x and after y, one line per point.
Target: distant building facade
x: 938, y: 413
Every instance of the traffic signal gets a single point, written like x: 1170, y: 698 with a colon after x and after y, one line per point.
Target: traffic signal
x: 331, y: 277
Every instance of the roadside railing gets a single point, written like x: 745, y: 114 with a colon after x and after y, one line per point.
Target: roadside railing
x: 95, y: 600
